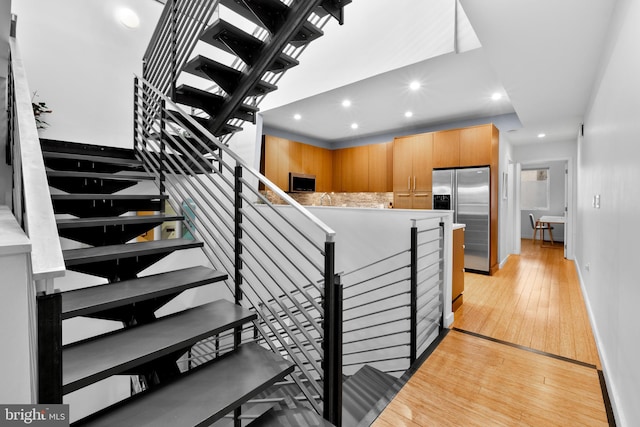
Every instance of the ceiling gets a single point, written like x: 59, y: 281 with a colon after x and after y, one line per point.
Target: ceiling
x: 542, y: 55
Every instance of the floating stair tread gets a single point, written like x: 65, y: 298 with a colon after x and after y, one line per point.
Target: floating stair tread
x: 91, y: 196
x: 112, y: 252
x: 200, y: 98
x: 290, y: 417
x: 202, y: 396
x: 115, y: 220
x: 86, y: 301
x: 134, y: 163
x: 97, y: 175
x: 226, y: 77
x: 361, y: 392
x: 89, y: 361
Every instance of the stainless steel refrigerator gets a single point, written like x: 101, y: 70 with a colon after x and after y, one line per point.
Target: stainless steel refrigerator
x: 466, y: 192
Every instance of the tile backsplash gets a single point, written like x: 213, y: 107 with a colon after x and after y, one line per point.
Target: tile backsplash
x: 352, y: 200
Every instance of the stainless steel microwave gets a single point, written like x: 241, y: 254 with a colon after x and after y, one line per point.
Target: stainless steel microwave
x: 301, y: 183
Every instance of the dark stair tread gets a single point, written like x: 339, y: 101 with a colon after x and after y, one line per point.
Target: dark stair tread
x: 119, y: 161
x: 115, y: 220
x: 87, y: 301
x: 361, y: 391
x: 90, y: 361
x: 98, y: 175
x: 297, y: 416
x: 208, y: 102
x: 272, y: 15
x: 202, y: 396
x: 227, y: 37
x: 226, y: 77
x: 113, y: 252
x: 92, y: 196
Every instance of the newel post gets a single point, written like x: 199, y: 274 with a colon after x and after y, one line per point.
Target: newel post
x: 332, y: 361
x: 413, y: 344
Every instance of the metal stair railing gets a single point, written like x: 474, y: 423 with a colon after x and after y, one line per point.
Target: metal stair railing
x: 271, y: 253
x: 394, y: 305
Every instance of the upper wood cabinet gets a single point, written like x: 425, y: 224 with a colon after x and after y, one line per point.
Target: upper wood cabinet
x: 282, y: 156
x: 412, y: 167
x: 380, y: 167
x: 478, y: 145
x: 446, y: 149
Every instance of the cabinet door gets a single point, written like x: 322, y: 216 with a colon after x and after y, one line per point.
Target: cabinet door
x: 338, y: 160
x: 402, y: 200
x: 324, y: 174
x: 475, y: 146
x: 457, y: 277
x: 276, y: 163
x: 421, y: 200
x: 402, y: 164
x: 422, y: 164
x: 379, y: 170
x: 446, y: 149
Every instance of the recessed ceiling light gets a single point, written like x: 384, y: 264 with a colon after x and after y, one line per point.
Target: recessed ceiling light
x: 297, y: 116
x: 496, y: 96
x: 354, y: 126
x: 346, y: 103
x: 542, y: 135
x: 127, y: 17
x: 414, y: 85
x: 408, y: 114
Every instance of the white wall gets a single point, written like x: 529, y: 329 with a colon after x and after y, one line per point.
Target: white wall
x: 607, y: 243
x: 81, y: 62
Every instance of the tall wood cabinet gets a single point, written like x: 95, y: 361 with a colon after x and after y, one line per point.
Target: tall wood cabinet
x: 457, y: 277
x: 412, y: 167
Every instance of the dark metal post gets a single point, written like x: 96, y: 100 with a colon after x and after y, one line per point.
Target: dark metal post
x: 442, y: 298
x: 237, y: 336
x: 332, y: 396
x: 50, y: 348
x: 163, y: 137
x: 136, y: 148
x: 413, y: 345
x: 174, y: 47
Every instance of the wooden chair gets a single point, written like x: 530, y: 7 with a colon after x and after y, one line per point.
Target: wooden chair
x: 536, y: 225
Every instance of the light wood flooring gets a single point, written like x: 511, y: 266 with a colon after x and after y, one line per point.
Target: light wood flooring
x: 521, y: 353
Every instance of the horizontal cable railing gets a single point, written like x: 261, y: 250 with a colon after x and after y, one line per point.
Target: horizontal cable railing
x: 31, y: 198
x: 271, y: 254
x: 393, y: 306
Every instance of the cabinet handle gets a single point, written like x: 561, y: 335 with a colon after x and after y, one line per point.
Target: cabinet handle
x: 414, y: 183
x: 408, y: 183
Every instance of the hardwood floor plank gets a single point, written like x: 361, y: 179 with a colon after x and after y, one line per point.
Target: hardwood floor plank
x: 536, y: 364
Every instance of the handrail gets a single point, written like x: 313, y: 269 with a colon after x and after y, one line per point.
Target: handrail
x: 329, y: 233
x: 36, y: 215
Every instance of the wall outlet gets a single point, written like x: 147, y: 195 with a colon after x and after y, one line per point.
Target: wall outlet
x: 597, y: 201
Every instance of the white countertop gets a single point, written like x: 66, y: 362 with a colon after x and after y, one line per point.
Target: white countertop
x: 457, y: 226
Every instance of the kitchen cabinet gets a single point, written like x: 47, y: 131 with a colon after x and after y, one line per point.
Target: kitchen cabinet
x: 478, y: 145
x: 446, y: 149
x: 457, y: 277
x: 380, y: 166
x: 282, y: 156
x: 412, y: 167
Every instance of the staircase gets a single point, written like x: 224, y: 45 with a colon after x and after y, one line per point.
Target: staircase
x: 242, y: 64
x: 147, y: 345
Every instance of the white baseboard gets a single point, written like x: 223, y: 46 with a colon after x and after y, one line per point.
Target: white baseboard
x: 611, y: 387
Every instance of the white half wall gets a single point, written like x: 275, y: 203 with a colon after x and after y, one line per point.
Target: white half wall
x: 607, y: 237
